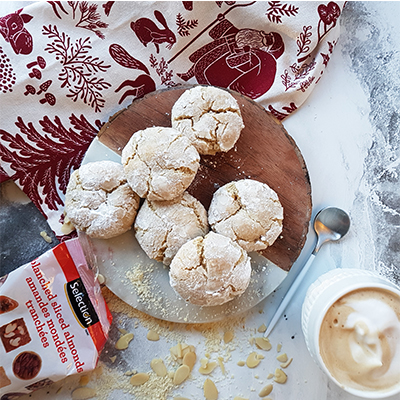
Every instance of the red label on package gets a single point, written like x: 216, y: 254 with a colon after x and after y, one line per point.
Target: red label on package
x: 53, y: 320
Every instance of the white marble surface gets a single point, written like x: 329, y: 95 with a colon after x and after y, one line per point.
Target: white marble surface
x: 348, y: 133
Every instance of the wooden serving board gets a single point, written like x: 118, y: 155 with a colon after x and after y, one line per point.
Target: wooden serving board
x: 264, y: 152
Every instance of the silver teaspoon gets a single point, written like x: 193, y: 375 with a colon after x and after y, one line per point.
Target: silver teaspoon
x: 330, y: 224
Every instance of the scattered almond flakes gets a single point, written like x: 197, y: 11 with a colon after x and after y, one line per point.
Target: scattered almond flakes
x: 181, y: 374
x: 266, y: 390
x: 212, y: 332
x: 221, y: 365
x: 207, y: 367
x: 158, y: 366
x: 179, y: 351
x: 153, y: 336
x: 170, y: 330
x: 279, y: 347
x: 228, y: 336
x: 189, y: 359
x: 84, y: 380
x: 155, y: 388
x: 83, y: 393
x: 101, y: 279
x: 282, y: 358
x: 139, y: 379
x: 46, y: 237
x: 210, y: 390
x: 67, y: 227
x: 253, y: 359
x: 262, y: 328
x: 280, y: 376
x: 123, y: 341
x: 287, y: 363
x: 263, y: 343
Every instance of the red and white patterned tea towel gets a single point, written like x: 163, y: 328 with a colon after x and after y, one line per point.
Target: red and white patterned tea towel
x: 66, y: 67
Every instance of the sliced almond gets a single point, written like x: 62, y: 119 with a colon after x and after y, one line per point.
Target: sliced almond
x: 253, y: 360
x: 287, y: 363
x: 179, y: 351
x: 189, y: 359
x: 279, y: 347
x: 210, y: 390
x: 270, y: 376
x: 84, y: 380
x: 83, y: 393
x: 139, y: 379
x: 280, y: 376
x: 181, y: 374
x: 263, y: 343
x: 123, y: 341
x: 158, y: 366
x: 101, y: 278
x: 241, y: 363
x: 153, y: 336
x: 282, y: 358
x: 266, y: 390
x: 240, y: 398
x: 180, y: 398
x: 221, y: 364
x: 262, y: 328
x: 45, y: 236
x: 208, y: 368
x: 228, y: 336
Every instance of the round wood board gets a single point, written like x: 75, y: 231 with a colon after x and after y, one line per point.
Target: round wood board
x: 264, y: 152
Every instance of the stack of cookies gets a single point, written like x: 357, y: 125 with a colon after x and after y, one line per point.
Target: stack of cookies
x: 158, y: 164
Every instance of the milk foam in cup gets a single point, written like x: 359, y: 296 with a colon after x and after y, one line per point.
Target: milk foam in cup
x: 351, y: 325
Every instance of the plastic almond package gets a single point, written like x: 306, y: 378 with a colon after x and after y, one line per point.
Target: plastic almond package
x: 54, y: 321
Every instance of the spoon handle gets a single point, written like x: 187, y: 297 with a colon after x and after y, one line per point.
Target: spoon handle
x: 292, y: 290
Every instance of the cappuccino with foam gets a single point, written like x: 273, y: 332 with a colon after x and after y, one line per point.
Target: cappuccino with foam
x: 359, y: 339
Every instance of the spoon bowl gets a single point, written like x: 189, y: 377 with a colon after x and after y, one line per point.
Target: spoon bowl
x: 330, y: 224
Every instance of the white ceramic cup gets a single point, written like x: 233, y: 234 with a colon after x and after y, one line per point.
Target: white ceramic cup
x: 320, y: 296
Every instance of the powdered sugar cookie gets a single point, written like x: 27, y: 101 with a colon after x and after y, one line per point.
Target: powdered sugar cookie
x: 159, y: 163
x: 210, y: 117
x: 248, y: 212
x: 162, y: 227
x: 210, y: 270
x: 99, y: 201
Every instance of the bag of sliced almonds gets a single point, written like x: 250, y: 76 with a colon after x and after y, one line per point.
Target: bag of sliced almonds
x: 54, y: 321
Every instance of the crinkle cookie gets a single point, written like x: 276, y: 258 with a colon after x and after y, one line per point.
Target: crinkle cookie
x: 99, y: 201
x: 159, y: 163
x: 248, y: 212
x: 162, y: 227
x: 210, y: 270
x: 210, y: 117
